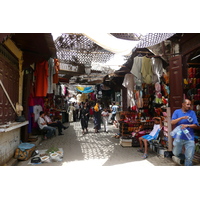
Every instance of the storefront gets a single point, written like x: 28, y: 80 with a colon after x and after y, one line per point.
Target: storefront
x: 145, y: 94
x: 17, y: 54
x: 184, y: 71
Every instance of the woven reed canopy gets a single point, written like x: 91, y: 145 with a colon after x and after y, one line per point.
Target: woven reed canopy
x: 77, y: 49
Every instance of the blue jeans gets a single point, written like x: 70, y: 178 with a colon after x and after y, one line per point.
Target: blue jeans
x: 50, y: 131
x: 189, y: 150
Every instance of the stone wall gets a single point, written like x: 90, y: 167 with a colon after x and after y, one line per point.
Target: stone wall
x: 9, y: 141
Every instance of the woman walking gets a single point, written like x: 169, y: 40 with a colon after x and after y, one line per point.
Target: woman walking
x: 84, y: 113
x: 97, y: 118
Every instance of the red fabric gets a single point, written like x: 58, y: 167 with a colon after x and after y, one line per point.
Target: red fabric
x: 57, y: 68
x: 41, y: 83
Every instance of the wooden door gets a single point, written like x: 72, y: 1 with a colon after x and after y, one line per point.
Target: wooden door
x: 175, y: 83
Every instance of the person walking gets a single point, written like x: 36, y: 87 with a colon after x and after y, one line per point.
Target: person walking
x: 84, y: 112
x: 105, y: 116
x: 187, y: 120
x: 114, y: 110
x: 97, y: 117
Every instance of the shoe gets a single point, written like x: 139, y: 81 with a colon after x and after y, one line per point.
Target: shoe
x: 61, y: 134
x: 140, y: 150
x: 45, y: 138
x: 65, y: 127
x: 144, y: 156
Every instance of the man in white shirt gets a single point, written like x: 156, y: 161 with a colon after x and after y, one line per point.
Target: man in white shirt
x: 43, y: 126
x: 54, y: 124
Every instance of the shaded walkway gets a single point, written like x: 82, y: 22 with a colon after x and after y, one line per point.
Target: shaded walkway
x: 96, y: 149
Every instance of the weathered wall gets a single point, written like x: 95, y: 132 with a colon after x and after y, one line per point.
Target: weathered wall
x: 9, y: 141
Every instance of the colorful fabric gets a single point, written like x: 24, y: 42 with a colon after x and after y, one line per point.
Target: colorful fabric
x: 41, y: 82
x: 84, y: 90
x: 96, y: 107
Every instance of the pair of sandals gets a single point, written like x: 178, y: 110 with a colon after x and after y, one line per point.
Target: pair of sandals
x: 84, y: 131
x: 144, y: 155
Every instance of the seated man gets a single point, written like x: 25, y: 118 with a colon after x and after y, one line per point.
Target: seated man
x: 54, y: 123
x: 151, y: 136
x: 43, y: 126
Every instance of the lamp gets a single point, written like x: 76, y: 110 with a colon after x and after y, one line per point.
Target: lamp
x: 88, y: 69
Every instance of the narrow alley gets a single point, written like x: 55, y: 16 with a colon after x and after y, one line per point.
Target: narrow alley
x: 95, y: 149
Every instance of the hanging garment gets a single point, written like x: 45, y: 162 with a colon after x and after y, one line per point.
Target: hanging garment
x: 71, y: 110
x: 146, y: 70
x: 139, y: 99
x: 63, y: 88
x: 57, y: 68
x: 36, y: 111
x: 51, y: 72
x: 41, y: 82
x: 129, y: 84
x: 157, y: 69
x: 158, y: 95
x: 137, y: 66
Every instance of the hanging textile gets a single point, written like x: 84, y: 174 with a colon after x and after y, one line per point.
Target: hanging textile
x: 51, y: 72
x: 146, y: 70
x: 157, y: 69
x: 129, y: 84
x: 57, y: 68
x: 84, y: 90
x: 111, y: 43
x: 124, y: 47
x: 41, y: 82
x: 81, y: 97
x: 137, y: 66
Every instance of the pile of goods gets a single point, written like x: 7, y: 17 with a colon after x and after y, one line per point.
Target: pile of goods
x: 53, y: 154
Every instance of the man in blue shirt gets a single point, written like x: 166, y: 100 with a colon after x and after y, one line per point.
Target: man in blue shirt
x: 114, y: 110
x: 187, y: 119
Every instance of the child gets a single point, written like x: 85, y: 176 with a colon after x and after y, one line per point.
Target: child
x: 105, y: 116
x: 153, y: 134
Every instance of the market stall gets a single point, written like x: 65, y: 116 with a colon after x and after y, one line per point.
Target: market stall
x: 145, y: 95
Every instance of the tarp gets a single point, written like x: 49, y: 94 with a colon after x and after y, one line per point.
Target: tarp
x: 125, y: 47
x: 111, y: 43
x: 84, y: 89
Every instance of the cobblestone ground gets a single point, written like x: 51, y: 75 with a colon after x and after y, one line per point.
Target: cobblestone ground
x: 96, y: 149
